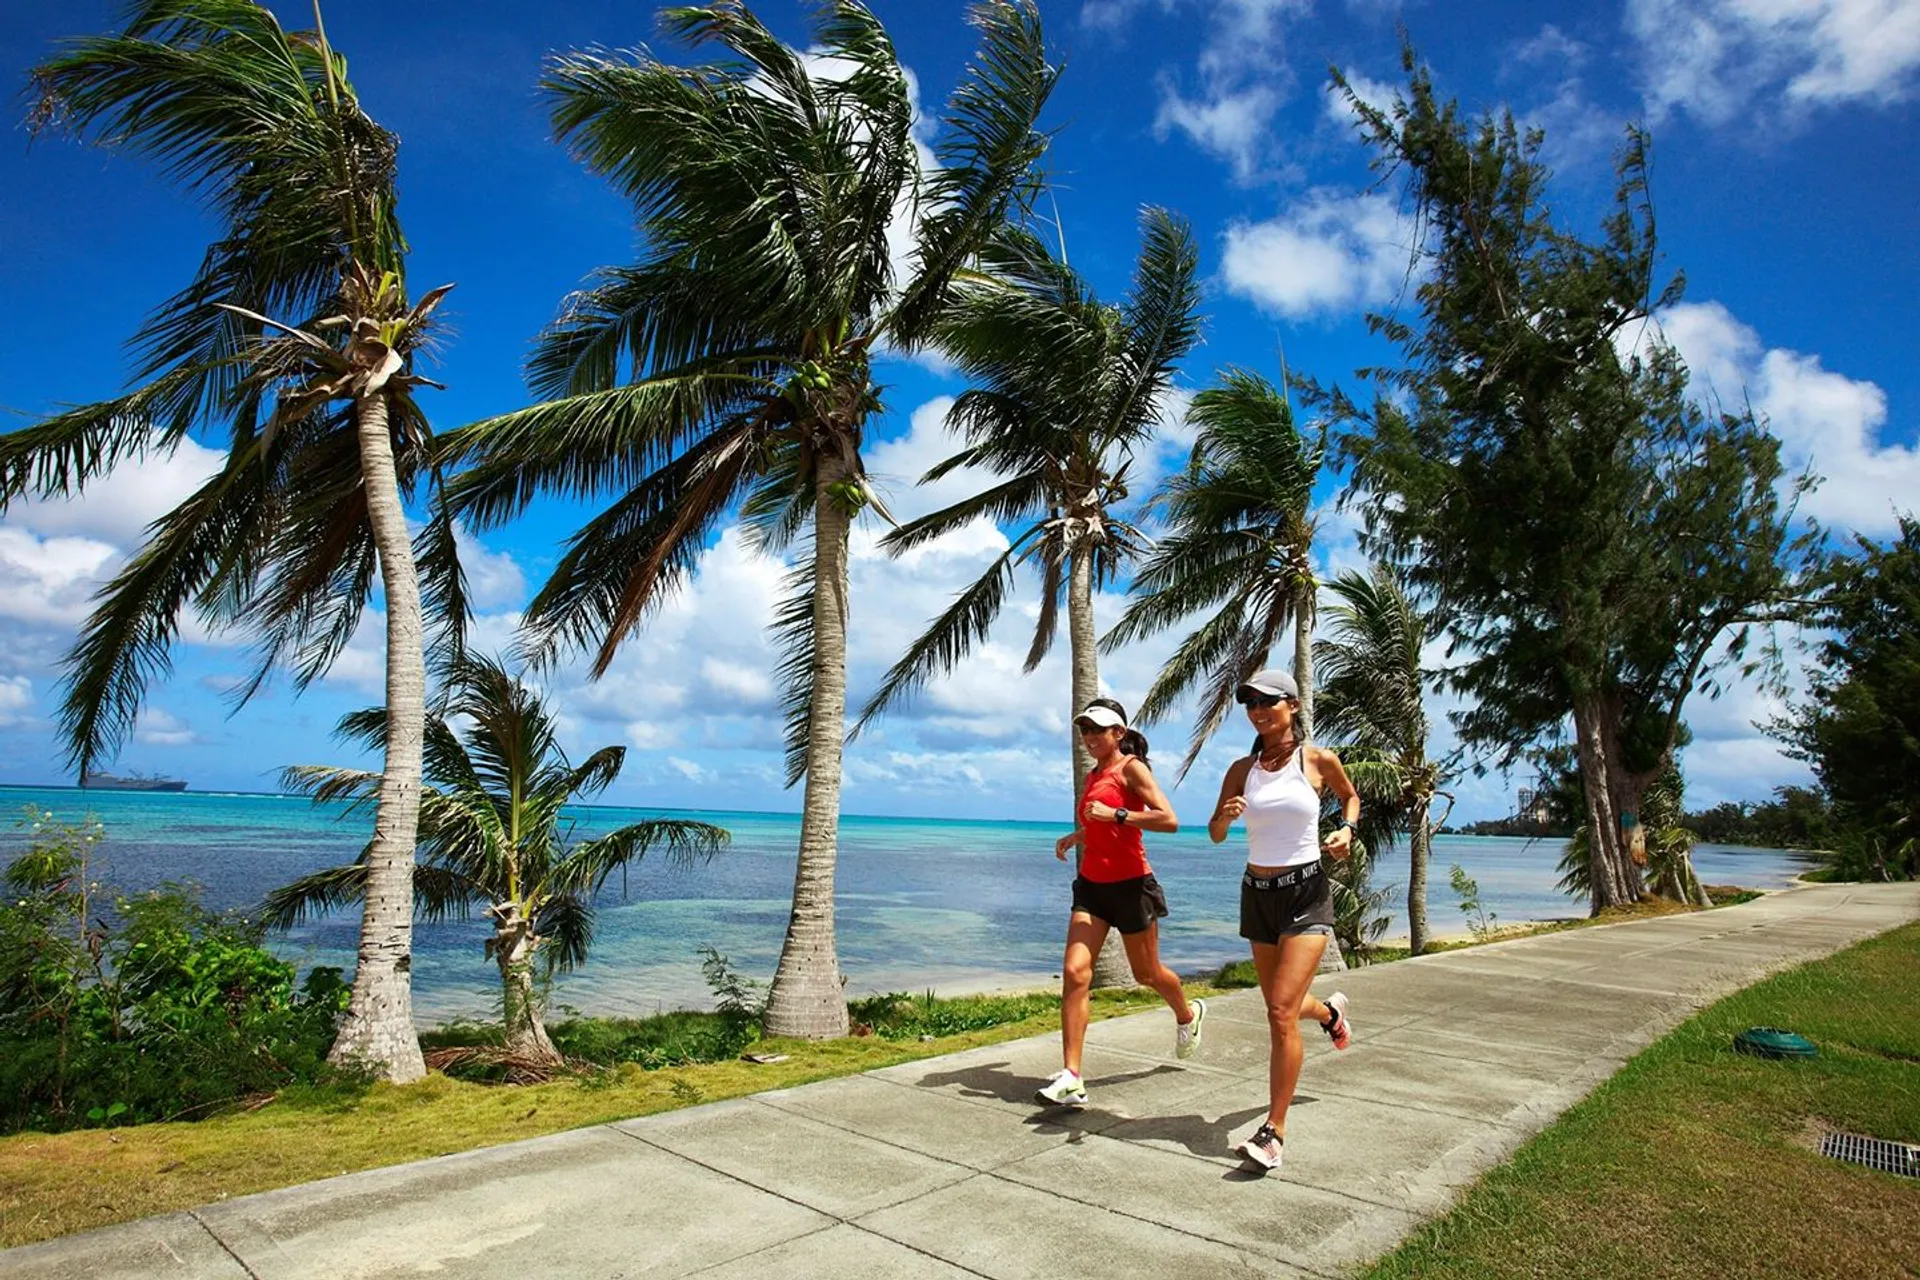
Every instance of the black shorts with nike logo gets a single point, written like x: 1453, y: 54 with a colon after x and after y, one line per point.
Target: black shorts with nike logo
x: 1297, y: 900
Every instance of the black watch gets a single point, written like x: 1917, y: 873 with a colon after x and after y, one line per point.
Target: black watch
x: 1120, y: 816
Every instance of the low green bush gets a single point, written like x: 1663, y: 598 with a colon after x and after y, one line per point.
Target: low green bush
x: 899, y: 1016
x: 122, y: 1009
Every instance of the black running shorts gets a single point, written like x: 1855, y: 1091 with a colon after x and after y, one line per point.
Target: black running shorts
x: 1297, y: 900
x: 1128, y: 905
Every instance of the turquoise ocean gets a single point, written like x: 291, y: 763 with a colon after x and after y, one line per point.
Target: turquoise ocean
x: 949, y: 905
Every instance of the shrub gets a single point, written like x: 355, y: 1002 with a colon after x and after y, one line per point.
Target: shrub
x: 127, y: 1009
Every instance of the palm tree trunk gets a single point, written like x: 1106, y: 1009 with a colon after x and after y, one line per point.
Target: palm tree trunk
x: 807, y: 998
x: 1419, y: 849
x: 377, y: 1031
x: 1110, y: 968
x: 1304, y: 607
x: 1304, y: 610
x: 521, y: 1011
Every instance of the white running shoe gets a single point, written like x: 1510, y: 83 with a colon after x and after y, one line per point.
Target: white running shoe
x: 1186, y: 1035
x: 1340, y: 1030
x: 1264, y: 1148
x: 1066, y: 1089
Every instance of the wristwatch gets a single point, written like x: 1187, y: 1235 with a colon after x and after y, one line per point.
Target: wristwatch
x: 1120, y: 816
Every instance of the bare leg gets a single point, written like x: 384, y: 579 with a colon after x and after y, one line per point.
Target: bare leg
x: 1084, y: 938
x: 1284, y: 971
x: 1143, y: 953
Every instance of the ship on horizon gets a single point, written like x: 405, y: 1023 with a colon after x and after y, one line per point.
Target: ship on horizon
x: 130, y: 782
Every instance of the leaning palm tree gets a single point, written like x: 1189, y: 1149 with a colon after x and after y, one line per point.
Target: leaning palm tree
x: 1068, y: 388
x: 494, y: 835
x: 1238, y: 547
x: 731, y: 368
x: 1372, y: 703
x: 324, y: 439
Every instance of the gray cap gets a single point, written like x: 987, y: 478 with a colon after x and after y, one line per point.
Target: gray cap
x: 1271, y: 683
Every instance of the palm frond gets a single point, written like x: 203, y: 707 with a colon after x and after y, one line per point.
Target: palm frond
x: 682, y: 842
x: 987, y: 154
x: 126, y: 642
x: 793, y: 636
x: 1011, y: 500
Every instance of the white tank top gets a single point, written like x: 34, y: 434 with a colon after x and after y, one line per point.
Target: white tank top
x: 1283, y: 815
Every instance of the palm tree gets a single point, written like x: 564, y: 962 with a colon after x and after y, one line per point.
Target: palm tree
x: 1371, y: 702
x: 1239, y: 546
x: 1068, y: 388
x: 732, y: 364
x: 324, y: 439
x: 493, y: 836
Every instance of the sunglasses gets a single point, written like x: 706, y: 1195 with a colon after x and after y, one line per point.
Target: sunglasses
x: 1259, y: 700
x: 1089, y: 730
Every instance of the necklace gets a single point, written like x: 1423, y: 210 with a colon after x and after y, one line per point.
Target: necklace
x: 1279, y: 758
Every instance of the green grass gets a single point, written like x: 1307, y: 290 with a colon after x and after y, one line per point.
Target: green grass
x: 1696, y: 1161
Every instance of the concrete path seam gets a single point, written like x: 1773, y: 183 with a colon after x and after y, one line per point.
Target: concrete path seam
x: 225, y: 1248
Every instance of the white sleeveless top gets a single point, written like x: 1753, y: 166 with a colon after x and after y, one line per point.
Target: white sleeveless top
x: 1283, y: 815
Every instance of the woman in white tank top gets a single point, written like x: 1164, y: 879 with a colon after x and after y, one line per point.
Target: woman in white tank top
x: 1286, y: 907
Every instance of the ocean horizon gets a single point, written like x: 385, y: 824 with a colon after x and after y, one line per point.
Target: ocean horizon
x: 951, y: 905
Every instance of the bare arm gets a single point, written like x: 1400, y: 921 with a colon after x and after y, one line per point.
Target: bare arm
x: 1232, y: 802
x: 1334, y: 775
x: 1139, y: 779
x: 1072, y: 840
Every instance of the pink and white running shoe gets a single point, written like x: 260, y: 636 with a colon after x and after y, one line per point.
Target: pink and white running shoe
x: 1338, y: 1028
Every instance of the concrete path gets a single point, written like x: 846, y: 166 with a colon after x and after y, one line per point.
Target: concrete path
x: 944, y: 1167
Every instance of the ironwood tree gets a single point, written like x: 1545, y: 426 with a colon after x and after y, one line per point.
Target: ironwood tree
x: 1601, y: 543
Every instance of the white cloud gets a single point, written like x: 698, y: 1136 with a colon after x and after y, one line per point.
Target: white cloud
x: 118, y: 507
x: 1825, y: 420
x: 1716, y: 57
x: 1233, y: 124
x: 751, y: 687
x: 49, y: 582
x: 494, y: 578
x: 1243, y: 77
x: 16, y: 701
x: 160, y: 728
x: 689, y: 770
x: 1331, y: 253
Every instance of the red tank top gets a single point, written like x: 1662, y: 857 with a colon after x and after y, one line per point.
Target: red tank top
x: 1111, y: 852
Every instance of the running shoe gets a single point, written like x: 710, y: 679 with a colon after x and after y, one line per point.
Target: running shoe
x: 1186, y: 1035
x: 1066, y: 1089
x: 1339, y: 1029
x: 1264, y: 1148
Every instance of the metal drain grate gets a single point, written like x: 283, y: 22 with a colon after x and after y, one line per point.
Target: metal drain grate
x: 1874, y: 1153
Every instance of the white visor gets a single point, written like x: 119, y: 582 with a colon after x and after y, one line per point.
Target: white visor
x: 1101, y: 717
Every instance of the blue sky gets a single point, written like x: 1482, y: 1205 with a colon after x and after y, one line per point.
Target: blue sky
x: 1784, y: 182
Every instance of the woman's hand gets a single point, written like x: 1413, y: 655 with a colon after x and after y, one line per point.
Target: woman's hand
x: 1340, y: 843
x: 1064, y: 844
x: 1098, y: 812
x: 1230, y: 808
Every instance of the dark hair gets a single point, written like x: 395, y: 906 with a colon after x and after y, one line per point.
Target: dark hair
x: 1133, y: 742
x: 1259, y: 747
x: 1293, y: 727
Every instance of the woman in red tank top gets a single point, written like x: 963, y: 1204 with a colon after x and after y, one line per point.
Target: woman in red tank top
x: 1115, y: 889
